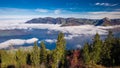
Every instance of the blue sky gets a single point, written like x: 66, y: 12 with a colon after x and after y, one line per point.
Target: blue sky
x: 27, y: 9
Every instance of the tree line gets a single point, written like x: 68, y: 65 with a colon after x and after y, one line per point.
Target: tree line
x: 106, y: 52
x: 99, y: 52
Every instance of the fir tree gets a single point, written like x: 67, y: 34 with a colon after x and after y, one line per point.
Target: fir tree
x: 21, y: 58
x: 106, y: 50
x: 59, y: 53
x: 96, y: 49
x: 116, y: 52
x: 35, y: 55
x: 86, y: 54
x: 43, y: 53
x: 8, y: 58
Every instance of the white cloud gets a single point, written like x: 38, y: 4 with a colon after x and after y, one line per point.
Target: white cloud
x: 90, y: 29
x: 71, y: 36
x: 58, y: 11
x: 29, y: 41
x: 50, y: 40
x: 105, y: 4
x: 42, y: 10
x: 102, y: 14
x: 78, y: 46
x: 17, y: 42
x: 27, y: 14
x: 97, y: 3
x: 39, y: 41
x: 86, y: 30
x: 81, y: 30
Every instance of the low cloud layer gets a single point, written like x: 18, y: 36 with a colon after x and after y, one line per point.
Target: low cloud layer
x: 50, y: 40
x: 82, y: 30
x: 16, y: 42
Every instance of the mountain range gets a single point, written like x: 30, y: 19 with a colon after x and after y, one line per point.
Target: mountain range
x: 75, y: 21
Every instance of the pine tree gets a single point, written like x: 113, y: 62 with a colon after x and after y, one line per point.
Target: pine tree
x: 8, y: 58
x: 35, y: 55
x: 106, y: 50
x: 59, y: 53
x: 0, y: 57
x: 86, y: 54
x: 54, y: 59
x: 116, y: 52
x: 21, y: 58
x: 43, y: 53
x: 96, y: 49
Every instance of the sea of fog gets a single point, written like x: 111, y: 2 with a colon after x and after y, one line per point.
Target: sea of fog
x: 21, y: 35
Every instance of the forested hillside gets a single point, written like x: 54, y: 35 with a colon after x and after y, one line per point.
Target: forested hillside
x: 99, y: 53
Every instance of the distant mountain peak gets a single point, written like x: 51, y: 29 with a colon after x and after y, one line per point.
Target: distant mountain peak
x: 106, y: 19
x: 75, y: 21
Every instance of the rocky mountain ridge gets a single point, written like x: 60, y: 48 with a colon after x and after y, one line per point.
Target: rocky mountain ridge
x: 75, y: 21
